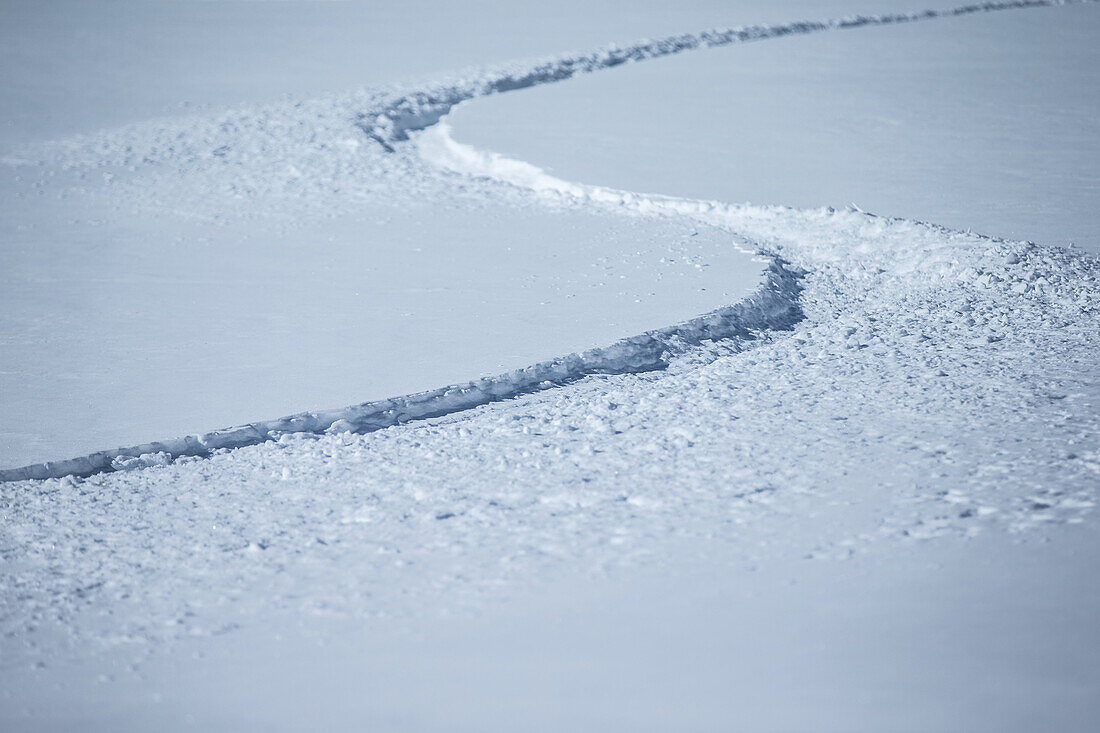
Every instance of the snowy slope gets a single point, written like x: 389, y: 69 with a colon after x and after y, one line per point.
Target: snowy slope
x: 877, y: 517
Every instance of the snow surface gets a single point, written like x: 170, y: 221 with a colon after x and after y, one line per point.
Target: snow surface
x: 75, y: 66
x: 238, y: 320
x: 877, y: 517
x: 241, y: 266
x: 986, y: 107
x: 275, y: 180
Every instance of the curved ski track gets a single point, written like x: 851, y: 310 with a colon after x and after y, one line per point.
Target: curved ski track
x: 392, y: 123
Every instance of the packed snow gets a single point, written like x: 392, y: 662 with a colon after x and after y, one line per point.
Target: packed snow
x: 848, y: 486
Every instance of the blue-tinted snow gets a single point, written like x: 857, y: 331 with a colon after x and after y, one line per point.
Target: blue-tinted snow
x: 989, y: 122
x: 882, y: 519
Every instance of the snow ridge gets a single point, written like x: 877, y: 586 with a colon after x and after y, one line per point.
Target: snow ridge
x: 774, y: 306
x: 423, y: 108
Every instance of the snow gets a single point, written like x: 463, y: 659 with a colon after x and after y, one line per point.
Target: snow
x: 283, y: 270
x: 76, y: 66
x: 805, y: 449
x: 876, y: 514
x: 983, y: 105
x: 272, y: 179
x: 241, y: 320
x: 915, y: 637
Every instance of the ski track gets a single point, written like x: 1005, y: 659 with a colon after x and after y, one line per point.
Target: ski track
x: 948, y: 377
x: 418, y: 110
x: 398, y: 115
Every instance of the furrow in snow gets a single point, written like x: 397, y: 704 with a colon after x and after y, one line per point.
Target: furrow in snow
x: 774, y: 306
x: 420, y: 109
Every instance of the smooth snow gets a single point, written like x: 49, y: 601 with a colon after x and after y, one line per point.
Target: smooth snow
x: 960, y: 634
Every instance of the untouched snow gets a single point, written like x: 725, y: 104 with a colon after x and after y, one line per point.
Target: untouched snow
x: 877, y: 517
